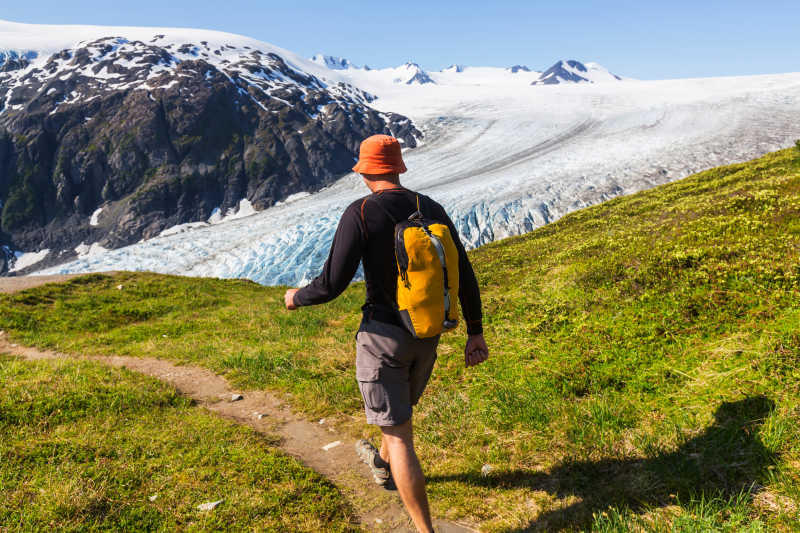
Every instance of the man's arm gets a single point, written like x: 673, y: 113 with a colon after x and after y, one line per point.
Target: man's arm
x: 342, y: 263
x: 476, y: 351
x: 469, y: 294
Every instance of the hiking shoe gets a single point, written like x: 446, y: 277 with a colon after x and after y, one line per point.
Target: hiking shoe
x: 380, y: 468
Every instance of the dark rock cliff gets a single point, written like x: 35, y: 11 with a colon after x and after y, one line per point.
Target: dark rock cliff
x: 159, y: 135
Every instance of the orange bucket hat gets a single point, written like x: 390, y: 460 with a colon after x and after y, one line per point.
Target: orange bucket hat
x: 380, y: 154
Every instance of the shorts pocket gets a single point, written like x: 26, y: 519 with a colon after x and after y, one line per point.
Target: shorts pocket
x: 372, y: 391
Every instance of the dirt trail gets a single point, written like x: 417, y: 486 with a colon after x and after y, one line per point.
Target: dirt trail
x: 378, y: 509
x: 20, y: 283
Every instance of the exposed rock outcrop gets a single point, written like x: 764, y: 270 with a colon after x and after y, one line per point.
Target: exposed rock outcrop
x: 159, y: 134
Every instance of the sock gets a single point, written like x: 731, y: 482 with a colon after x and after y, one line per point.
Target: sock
x: 379, y: 462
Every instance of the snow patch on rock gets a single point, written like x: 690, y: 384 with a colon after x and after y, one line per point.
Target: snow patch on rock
x: 25, y: 259
x: 243, y: 209
x: 94, y: 221
x: 89, y: 251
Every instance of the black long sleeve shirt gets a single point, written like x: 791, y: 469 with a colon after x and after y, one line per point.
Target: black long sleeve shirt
x: 366, y: 234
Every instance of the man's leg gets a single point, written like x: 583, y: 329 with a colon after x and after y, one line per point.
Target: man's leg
x: 397, y: 448
x: 384, y: 452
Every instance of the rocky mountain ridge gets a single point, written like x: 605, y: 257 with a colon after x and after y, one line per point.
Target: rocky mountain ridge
x: 572, y: 71
x: 115, y: 139
x: 567, y: 71
x: 335, y: 63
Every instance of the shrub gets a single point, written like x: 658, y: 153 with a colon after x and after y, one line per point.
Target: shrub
x: 19, y: 209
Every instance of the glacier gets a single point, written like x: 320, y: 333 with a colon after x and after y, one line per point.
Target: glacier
x: 502, y: 156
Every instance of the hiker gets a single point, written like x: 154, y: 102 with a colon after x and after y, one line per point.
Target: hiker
x: 392, y: 364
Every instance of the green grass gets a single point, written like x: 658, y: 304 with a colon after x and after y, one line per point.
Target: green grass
x: 644, y: 359
x: 700, y: 516
x: 83, y: 447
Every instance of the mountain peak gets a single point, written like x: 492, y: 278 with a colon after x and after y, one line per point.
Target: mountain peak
x: 333, y: 62
x: 573, y: 71
x: 454, y: 68
x: 518, y: 68
x: 411, y: 73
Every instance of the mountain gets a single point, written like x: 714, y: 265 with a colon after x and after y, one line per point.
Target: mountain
x: 571, y: 71
x: 331, y: 62
x: 454, y: 68
x: 111, y: 135
x: 14, y: 59
x: 518, y: 68
x: 503, y: 156
x: 411, y: 74
x: 407, y: 74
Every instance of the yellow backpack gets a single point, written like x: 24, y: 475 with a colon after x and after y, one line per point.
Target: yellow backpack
x: 427, y: 280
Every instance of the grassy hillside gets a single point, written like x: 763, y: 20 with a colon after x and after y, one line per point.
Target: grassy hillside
x: 644, y: 369
x: 85, y: 448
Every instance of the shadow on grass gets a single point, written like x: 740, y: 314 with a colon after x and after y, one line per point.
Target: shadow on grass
x: 725, y: 459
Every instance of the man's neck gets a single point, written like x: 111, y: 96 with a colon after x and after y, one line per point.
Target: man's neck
x: 382, y: 185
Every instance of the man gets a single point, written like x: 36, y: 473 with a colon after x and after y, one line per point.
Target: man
x: 392, y: 367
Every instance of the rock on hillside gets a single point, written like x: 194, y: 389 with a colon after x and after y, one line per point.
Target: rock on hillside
x: 160, y: 132
x: 13, y: 59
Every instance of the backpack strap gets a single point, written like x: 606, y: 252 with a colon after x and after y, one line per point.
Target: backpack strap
x: 364, y: 220
x: 375, y: 200
x: 418, y: 213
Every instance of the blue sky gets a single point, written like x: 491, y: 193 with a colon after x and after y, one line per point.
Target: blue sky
x: 641, y: 39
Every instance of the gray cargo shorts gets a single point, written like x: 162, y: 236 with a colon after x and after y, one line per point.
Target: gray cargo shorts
x: 392, y: 369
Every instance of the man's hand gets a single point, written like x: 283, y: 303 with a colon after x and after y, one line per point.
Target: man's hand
x: 476, y: 351
x: 288, y: 299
